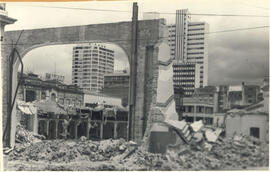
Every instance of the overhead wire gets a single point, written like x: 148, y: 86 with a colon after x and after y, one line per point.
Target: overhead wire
x: 123, y: 11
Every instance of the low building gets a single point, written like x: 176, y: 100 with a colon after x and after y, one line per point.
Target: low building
x: 116, y: 84
x: 242, y: 95
x: 96, y: 98
x: 50, y: 76
x: 196, y: 108
x: 47, y: 118
x: 33, y: 88
x: 251, y: 121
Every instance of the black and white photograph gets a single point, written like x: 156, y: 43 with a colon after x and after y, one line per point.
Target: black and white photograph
x: 124, y: 85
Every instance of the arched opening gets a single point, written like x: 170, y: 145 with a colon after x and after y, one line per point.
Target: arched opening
x: 35, y: 38
x: 108, y: 130
x: 60, y: 129
x: 42, y: 127
x: 72, y: 130
x: 55, y: 61
x: 94, y: 133
x: 82, y: 129
x: 53, y: 97
x: 52, y: 130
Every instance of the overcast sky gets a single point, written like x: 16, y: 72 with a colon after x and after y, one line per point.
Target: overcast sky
x: 233, y: 56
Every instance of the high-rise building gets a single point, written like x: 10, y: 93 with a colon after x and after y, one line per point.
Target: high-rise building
x: 197, y: 48
x: 188, y: 42
x: 89, y: 64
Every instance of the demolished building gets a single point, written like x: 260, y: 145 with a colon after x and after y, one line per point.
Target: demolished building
x: 47, y: 118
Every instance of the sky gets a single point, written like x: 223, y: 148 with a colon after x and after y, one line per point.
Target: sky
x: 233, y: 56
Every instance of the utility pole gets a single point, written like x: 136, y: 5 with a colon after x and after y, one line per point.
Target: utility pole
x: 133, y: 73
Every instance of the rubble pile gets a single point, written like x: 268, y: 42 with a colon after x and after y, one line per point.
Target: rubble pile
x: 225, y: 154
x: 24, y: 136
x: 207, y: 149
x: 68, y: 150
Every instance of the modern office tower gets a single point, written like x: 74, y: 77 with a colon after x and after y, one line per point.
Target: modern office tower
x: 181, y: 30
x: 197, y: 48
x: 185, y: 75
x: 188, y: 42
x: 89, y: 64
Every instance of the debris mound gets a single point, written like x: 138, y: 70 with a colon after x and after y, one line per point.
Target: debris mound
x: 24, y: 136
x: 207, y: 149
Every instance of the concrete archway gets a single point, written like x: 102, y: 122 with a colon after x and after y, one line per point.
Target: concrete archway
x: 149, y: 35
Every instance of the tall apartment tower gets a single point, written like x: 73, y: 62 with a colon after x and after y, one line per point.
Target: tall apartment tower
x: 188, y: 42
x: 89, y: 64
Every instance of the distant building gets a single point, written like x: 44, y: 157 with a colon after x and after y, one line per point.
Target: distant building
x: 242, y: 95
x: 116, y: 85
x: 94, y: 98
x: 89, y: 64
x: 33, y: 88
x: 188, y: 42
x: 196, y: 108
x: 187, y: 76
x: 265, y: 89
x: 50, y: 76
x: 222, y: 104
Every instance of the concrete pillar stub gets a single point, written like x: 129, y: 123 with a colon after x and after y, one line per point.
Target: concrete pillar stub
x: 115, y: 130
x: 101, y: 130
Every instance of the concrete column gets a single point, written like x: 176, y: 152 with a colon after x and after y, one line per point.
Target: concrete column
x: 195, y: 113
x: 47, y: 127
x: 101, y: 130
x: 56, y: 128
x: 24, y: 94
x: 115, y: 130
x: 9, y: 140
x: 88, y: 129
x: 76, y: 130
x: 35, y: 123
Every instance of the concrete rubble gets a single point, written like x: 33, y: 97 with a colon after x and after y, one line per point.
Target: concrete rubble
x: 206, y: 150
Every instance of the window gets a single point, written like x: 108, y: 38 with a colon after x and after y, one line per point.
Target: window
x: 43, y: 95
x: 255, y: 132
x: 53, y: 97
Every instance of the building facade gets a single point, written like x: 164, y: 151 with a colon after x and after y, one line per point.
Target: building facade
x: 116, y: 85
x: 242, y: 95
x: 195, y: 109
x: 250, y: 121
x: 50, y: 76
x: 186, y: 76
x: 89, y: 64
x: 33, y: 88
x: 188, y: 43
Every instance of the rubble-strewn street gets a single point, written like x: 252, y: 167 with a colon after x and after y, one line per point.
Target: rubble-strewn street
x: 82, y: 154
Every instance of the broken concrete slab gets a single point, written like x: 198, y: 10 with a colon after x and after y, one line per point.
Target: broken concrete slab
x: 212, y: 136
x: 196, y: 126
